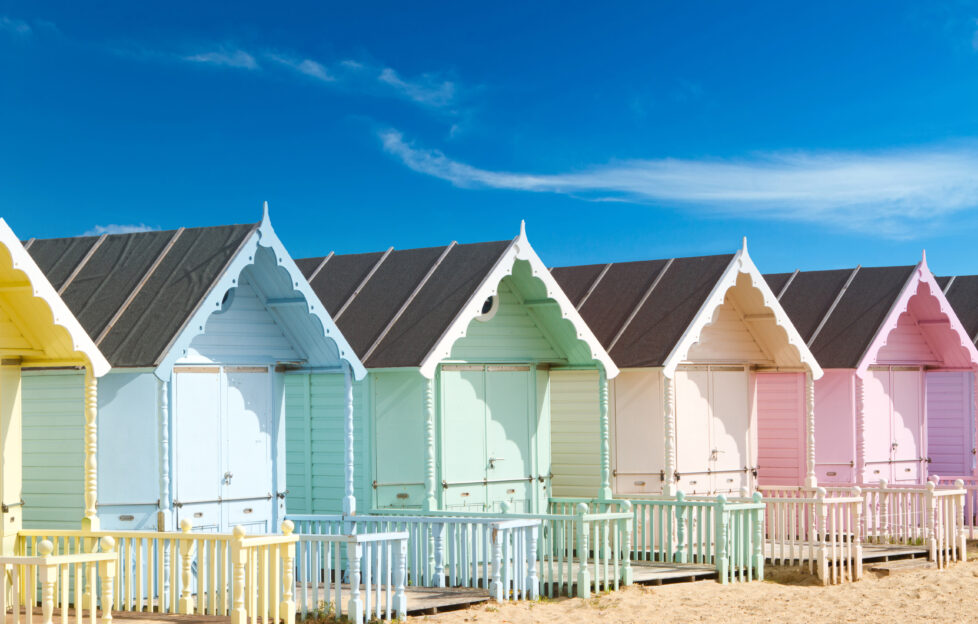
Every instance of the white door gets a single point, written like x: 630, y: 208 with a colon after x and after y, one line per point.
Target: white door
x: 248, y: 493
x: 198, y: 451
x: 730, y: 429
x: 638, y: 432
x: 694, y: 449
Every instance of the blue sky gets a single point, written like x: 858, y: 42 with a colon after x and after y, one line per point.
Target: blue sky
x: 829, y: 134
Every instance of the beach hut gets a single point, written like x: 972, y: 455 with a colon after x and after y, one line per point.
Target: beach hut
x: 38, y: 330
x: 896, y: 399
x: 711, y: 370
x: 200, y: 325
x: 461, y: 342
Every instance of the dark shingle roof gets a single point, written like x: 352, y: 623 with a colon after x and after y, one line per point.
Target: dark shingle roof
x: 166, y: 274
x: 658, y: 322
x: 397, y: 279
x: 963, y: 297
x: 857, y: 316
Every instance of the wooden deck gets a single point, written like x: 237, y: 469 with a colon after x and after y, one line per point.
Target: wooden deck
x: 660, y: 573
x: 871, y: 552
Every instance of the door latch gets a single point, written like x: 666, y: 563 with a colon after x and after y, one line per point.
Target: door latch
x: 227, y: 478
x: 715, y: 454
x: 493, y: 460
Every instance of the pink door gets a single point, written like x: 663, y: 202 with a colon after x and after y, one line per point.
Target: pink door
x: 780, y: 401
x: 835, y: 444
x: 907, y: 386
x: 950, y: 414
x: 877, y: 409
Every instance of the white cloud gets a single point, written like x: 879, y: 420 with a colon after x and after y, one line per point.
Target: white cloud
x: 426, y: 90
x: 308, y: 67
x: 15, y: 26
x: 114, y: 228
x: 227, y: 58
x: 895, y: 193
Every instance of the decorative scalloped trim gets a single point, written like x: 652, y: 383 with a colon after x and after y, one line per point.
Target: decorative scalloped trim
x: 42, y: 289
x: 519, y: 249
x: 707, y: 315
x: 263, y: 236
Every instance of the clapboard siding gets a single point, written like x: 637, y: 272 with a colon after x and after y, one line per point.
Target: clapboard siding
x: 726, y: 339
x: 511, y: 334
x: 53, y: 453
x: 949, y: 422
x: 780, y: 405
x: 905, y: 343
x: 315, y: 441
x: 245, y: 333
x: 575, y: 433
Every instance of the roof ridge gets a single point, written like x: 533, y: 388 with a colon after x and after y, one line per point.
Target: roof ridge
x: 319, y: 268
x: 641, y: 302
x: 81, y: 265
x: 362, y: 284
x: 831, y: 309
x: 593, y: 286
x: 784, y: 288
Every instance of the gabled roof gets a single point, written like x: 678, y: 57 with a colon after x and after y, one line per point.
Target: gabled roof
x: 45, y: 331
x: 142, y: 297
x: 650, y: 313
x: 405, y: 308
x: 846, y: 315
x: 962, y: 293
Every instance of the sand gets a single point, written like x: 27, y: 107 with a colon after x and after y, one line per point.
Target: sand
x: 787, y: 595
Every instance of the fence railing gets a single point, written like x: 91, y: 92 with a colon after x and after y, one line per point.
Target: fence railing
x: 262, y: 579
x: 702, y: 530
x: 374, y: 560
x: 185, y: 572
x: 810, y: 527
x: 59, y: 582
x: 573, y: 552
x: 969, y: 484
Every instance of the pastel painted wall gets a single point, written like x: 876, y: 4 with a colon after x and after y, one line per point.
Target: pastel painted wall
x: 575, y: 432
x: 779, y: 410
x: 950, y: 418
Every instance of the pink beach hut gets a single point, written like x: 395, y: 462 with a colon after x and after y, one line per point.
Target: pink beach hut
x: 955, y: 454
x: 897, y: 397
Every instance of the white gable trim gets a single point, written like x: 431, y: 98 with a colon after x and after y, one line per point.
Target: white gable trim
x: 264, y: 236
x: 740, y: 264
x: 42, y: 289
x: 519, y: 249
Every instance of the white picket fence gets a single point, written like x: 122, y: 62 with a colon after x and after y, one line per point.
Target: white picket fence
x: 969, y: 483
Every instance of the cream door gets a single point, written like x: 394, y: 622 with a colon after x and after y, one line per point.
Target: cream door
x: 638, y: 428
x: 694, y: 448
x: 731, y: 449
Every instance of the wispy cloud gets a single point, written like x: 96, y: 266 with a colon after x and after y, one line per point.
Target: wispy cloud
x: 308, y: 67
x: 14, y: 26
x: 114, y: 228
x: 896, y: 193
x: 425, y: 90
x: 224, y: 57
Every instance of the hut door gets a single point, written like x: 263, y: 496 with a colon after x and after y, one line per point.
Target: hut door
x: 693, y: 447
x: 198, y: 452
x: 730, y: 450
x: 486, y: 419
x: 247, y: 478
x: 907, y: 424
x: 876, y: 418
x: 950, y: 410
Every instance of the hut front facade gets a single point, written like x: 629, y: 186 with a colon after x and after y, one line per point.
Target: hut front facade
x: 896, y: 399
x: 38, y: 330
x: 200, y: 325
x: 462, y: 343
x: 709, y: 363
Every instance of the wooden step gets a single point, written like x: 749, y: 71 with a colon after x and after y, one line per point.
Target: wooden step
x: 905, y: 565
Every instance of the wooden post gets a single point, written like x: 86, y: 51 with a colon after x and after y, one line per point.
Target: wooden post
x: 857, y: 540
x: 960, y: 536
x: 605, y: 492
x: 679, y: 556
x: 48, y: 576
x: 239, y: 558
x: 287, y: 607
x: 669, y: 422
x: 354, y: 608
x: 186, y: 605
x: 496, y: 587
x: 532, y: 578
x: 810, y: 480
x: 583, y: 554
x: 860, y: 467
x: 163, y: 407
x: 90, y: 521
x: 438, y: 531
x: 933, y: 528
x: 350, y: 499
x: 759, y: 537
x: 11, y: 449
x: 721, y: 525
x: 627, y: 576
x: 400, y: 573
x: 822, y: 555
x: 107, y: 570
x: 431, y: 499
x: 882, y: 520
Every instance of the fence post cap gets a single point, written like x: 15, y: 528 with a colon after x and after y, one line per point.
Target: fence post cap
x: 820, y: 492
x: 757, y: 497
x: 239, y: 531
x: 186, y: 525
x: 930, y: 486
x: 506, y: 507
x: 722, y: 499
x: 935, y: 478
x: 627, y: 505
x: 288, y: 527
x: 582, y: 508
x: 680, y: 495
x: 857, y: 491
x: 883, y: 483
x: 45, y: 548
x: 958, y: 484
x: 107, y: 544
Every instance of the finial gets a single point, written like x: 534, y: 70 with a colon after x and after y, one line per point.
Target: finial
x: 743, y: 247
x: 523, y: 228
x: 264, y: 215
x: 923, y: 257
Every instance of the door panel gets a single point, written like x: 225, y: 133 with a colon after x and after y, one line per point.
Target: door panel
x: 464, y: 449
x: 906, y: 425
x: 731, y: 426
x: 693, y: 448
x: 400, y: 439
x: 508, y: 436
x: 876, y: 412
x: 248, y: 438
x: 638, y: 426
x: 199, y: 465
x: 950, y: 418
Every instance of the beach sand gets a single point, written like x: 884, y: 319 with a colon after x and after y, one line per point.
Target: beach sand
x: 786, y: 595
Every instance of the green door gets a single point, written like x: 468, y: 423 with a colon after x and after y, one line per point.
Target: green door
x: 487, y: 419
